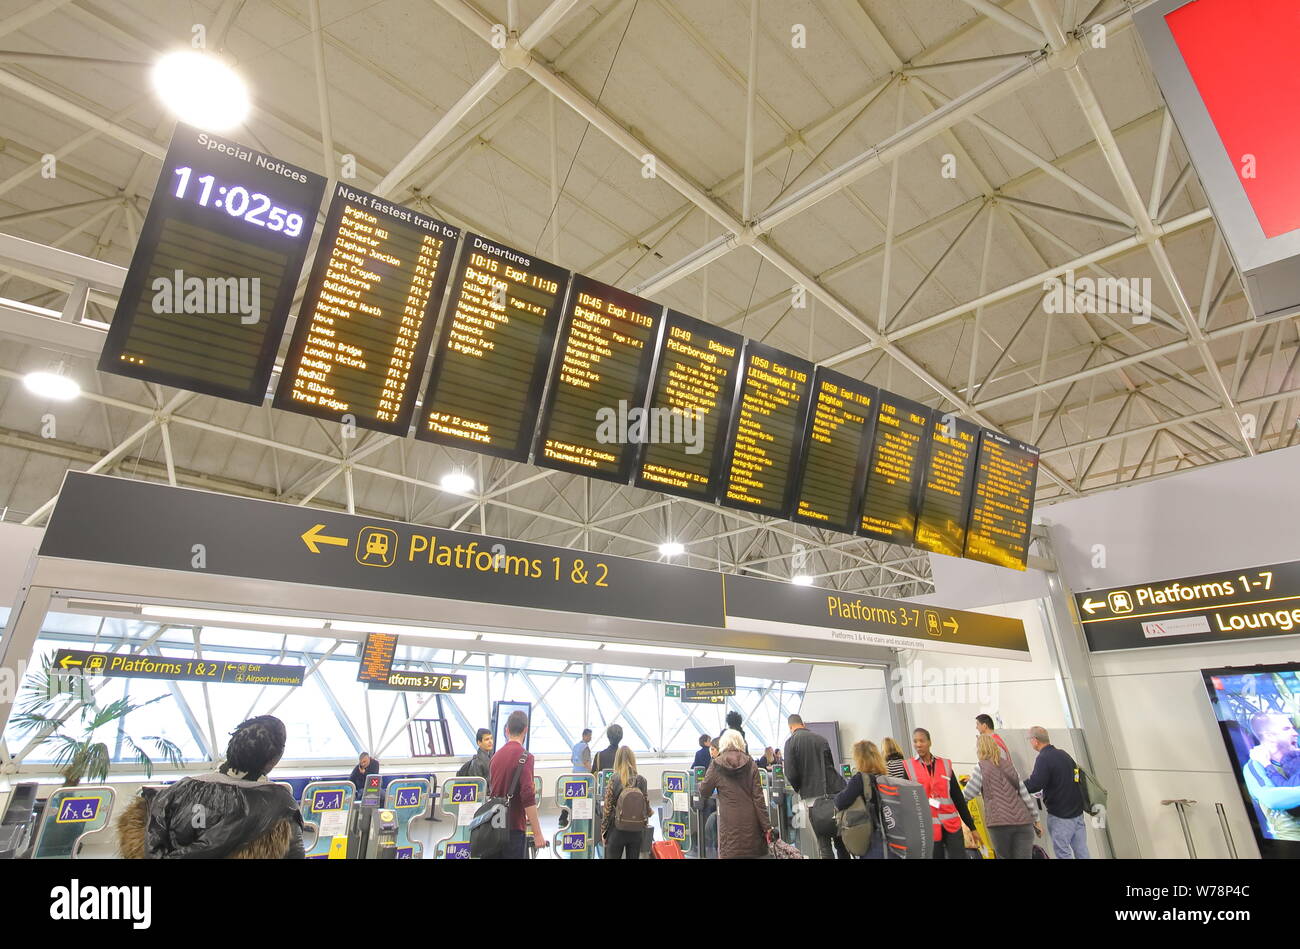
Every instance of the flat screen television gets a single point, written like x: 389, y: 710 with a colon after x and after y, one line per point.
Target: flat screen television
x: 831, y: 732
x: 1258, y: 710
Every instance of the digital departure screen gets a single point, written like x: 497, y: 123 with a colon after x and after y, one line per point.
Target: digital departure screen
x: 367, y: 318
x: 1002, y: 505
x: 690, y: 408
x: 206, y: 297
x: 946, y: 490
x: 896, y: 469
x: 837, y: 446
x: 593, y: 419
x: 762, y: 460
x: 490, y: 360
x: 377, y: 653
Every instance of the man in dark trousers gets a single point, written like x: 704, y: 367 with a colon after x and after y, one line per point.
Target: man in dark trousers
x: 810, y: 769
x: 523, y: 805
x: 1056, y: 775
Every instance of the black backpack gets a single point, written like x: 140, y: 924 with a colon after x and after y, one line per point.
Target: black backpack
x: 489, y: 830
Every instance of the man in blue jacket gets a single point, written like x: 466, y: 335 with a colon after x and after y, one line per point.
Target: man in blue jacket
x: 1057, y: 777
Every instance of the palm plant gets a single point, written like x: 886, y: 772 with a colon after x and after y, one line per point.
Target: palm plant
x: 46, y: 708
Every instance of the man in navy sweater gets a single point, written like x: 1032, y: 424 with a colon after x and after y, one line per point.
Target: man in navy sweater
x: 1056, y: 776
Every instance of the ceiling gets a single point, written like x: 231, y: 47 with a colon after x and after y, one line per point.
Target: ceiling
x: 919, y: 168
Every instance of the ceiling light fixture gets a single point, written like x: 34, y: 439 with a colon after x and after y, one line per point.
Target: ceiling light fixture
x: 201, y: 90
x: 744, y: 657
x: 801, y: 580
x: 348, y: 626
x: 456, y: 482
x: 539, y: 641
x: 671, y: 548
x: 52, y: 383
x: 657, y: 650
x: 216, y: 617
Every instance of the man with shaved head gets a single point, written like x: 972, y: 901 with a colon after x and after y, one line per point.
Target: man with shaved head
x: 1057, y: 777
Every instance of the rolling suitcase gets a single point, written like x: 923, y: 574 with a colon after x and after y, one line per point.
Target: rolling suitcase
x: 905, y: 819
x: 666, y: 850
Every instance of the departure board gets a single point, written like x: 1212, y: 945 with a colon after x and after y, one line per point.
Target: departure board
x: 690, y: 403
x: 490, y: 360
x: 594, y: 417
x: 895, y: 470
x: 762, y: 460
x: 213, y: 274
x: 377, y: 653
x: 1002, y: 504
x: 946, y: 489
x: 837, y: 447
x: 364, y: 327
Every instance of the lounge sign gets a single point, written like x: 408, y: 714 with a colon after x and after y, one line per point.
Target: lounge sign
x: 1233, y: 604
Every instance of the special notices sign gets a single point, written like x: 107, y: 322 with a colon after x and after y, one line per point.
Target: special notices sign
x: 1233, y: 604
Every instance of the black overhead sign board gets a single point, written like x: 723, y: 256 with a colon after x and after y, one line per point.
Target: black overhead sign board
x: 118, y: 521
x: 174, y: 669
x: 1232, y: 604
x: 709, y: 684
x: 410, y: 680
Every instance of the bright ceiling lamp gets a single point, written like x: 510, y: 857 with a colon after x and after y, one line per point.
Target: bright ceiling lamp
x: 801, y: 580
x: 201, y: 90
x: 215, y: 617
x: 457, y: 482
x: 347, y: 626
x: 52, y: 383
x: 659, y: 650
x: 744, y: 657
x: 539, y: 641
x: 672, y: 549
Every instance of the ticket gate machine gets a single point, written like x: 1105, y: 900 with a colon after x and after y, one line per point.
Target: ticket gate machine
x: 576, y: 840
x: 362, y: 822
x: 676, y: 816
x: 19, y: 820
x: 782, y: 803
x: 407, y: 799
x: 846, y: 769
x: 602, y: 783
x: 706, y: 833
x: 773, y: 811
x: 326, y: 807
x: 530, y: 845
x: 461, y: 797
x: 70, y: 816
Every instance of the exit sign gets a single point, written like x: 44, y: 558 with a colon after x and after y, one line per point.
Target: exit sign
x: 672, y: 691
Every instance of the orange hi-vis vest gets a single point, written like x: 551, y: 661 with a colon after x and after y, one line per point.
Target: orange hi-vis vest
x: 943, y: 816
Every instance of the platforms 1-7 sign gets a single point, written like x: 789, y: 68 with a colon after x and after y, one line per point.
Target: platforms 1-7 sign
x: 1233, y: 604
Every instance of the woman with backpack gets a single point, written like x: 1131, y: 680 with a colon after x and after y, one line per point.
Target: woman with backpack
x: 627, y: 809
x: 743, y: 825
x: 862, y: 789
x: 1008, y: 808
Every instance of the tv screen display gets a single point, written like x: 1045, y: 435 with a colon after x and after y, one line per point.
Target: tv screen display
x: 831, y: 732
x: 1258, y: 708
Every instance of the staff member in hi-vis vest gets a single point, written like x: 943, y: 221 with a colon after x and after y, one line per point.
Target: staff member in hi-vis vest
x: 947, y: 803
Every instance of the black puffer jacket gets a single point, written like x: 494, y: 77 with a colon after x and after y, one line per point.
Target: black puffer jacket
x: 212, y: 816
x: 809, y: 767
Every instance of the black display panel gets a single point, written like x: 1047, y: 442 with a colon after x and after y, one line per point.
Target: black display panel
x: 896, y: 469
x: 490, y: 360
x: 206, y: 297
x: 762, y: 459
x: 1002, y: 503
x: 836, y: 449
x: 692, y: 395
x: 594, y: 418
x: 946, y: 489
x: 366, y: 321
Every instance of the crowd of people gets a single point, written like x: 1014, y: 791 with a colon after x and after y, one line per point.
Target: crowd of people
x: 245, y: 814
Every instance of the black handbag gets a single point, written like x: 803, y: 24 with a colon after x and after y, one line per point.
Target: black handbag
x: 489, y: 829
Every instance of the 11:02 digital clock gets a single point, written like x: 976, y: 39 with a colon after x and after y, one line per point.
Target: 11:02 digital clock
x: 236, y: 201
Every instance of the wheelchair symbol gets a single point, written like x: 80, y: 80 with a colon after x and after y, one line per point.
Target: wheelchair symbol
x: 377, y: 546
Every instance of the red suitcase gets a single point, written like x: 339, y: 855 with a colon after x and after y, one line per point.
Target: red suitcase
x: 666, y: 850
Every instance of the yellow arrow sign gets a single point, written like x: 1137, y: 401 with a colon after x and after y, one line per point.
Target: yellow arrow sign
x: 1091, y: 606
x: 69, y: 661
x: 951, y: 624
x: 314, y: 536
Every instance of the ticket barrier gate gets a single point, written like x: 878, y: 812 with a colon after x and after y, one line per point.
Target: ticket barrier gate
x: 677, y: 813
x: 602, y: 782
x: 408, y: 799
x: 576, y: 796
x: 70, y: 816
x: 530, y: 845
x: 19, y: 820
x: 783, y: 803
x: 362, y: 822
x: 326, y: 808
x: 461, y: 797
x: 769, y: 795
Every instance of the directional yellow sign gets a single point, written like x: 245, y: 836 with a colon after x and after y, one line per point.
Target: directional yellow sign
x: 314, y: 537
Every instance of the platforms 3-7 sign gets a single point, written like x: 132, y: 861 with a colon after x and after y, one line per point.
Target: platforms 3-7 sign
x: 1233, y: 604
